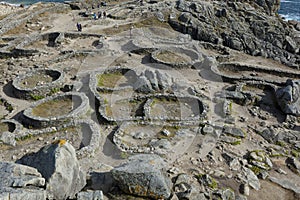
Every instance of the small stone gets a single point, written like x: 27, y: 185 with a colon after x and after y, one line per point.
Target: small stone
x: 166, y: 132
x: 263, y: 175
x: 280, y: 171
x: 219, y: 173
x: 207, y: 130
x: 173, y: 170
x: 244, y: 189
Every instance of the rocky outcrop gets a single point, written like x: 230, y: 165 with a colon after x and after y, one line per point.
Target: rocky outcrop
x: 153, y: 81
x: 241, y: 26
x: 59, y: 166
x: 270, y: 6
x: 20, y: 182
x: 288, y: 97
x: 143, y: 176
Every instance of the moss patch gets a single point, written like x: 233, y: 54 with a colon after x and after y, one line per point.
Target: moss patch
x: 109, y: 80
x: 255, y: 169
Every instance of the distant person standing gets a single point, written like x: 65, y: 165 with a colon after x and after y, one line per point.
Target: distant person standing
x: 79, y: 27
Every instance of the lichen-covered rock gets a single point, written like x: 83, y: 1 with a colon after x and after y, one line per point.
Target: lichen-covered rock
x: 143, y: 175
x: 288, y: 97
x: 259, y: 159
x: 59, y: 166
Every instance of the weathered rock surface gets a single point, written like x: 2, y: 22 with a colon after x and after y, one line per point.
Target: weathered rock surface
x: 288, y: 97
x: 260, y: 159
x: 20, y: 182
x: 90, y: 195
x: 251, y: 178
x: 143, y: 175
x: 250, y: 27
x: 59, y: 166
x: 153, y: 81
x: 8, y: 138
x: 286, y: 184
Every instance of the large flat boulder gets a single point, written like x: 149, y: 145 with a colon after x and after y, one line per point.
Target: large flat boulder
x: 58, y: 164
x: 20, y: 182
x: 143, y: 175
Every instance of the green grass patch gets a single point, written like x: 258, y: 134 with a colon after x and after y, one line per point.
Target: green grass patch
x: 36, y: 97
x: 295, y: 153
x: 109, y: 79
x: 280, y: 143
x: 255, y: 169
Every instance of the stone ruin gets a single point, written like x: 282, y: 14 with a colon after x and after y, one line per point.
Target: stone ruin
x: 56, y: 110
x: 142, y: 97
x: 146, y: 109
x: 38, y: 84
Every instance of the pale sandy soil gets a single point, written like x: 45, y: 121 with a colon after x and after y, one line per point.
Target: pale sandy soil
x: 7, y: 9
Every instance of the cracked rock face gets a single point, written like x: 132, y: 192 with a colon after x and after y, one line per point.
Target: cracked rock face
x: 247, y: 27
x: 153, y: 81
x: 143, y: 176
x: 16, y: 175
x: 20, y: 182
x: 288, y: 97
x: 59, y: 166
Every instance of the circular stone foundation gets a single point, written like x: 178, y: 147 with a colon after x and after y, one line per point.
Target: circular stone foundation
x: 168, y: 139
x: 175, y: 57
x: 235, y: 71
x: 174, y: 108
x: 89, y: 138
x: 115, y: 79
x: 56, y: 110
x: 38, y: 84
x: 123, y: 110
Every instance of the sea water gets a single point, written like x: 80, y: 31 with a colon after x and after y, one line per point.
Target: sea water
x: 290, y: 9
x: 28, y: 2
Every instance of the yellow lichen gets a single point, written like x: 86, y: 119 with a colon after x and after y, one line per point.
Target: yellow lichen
x: 59, y: 142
